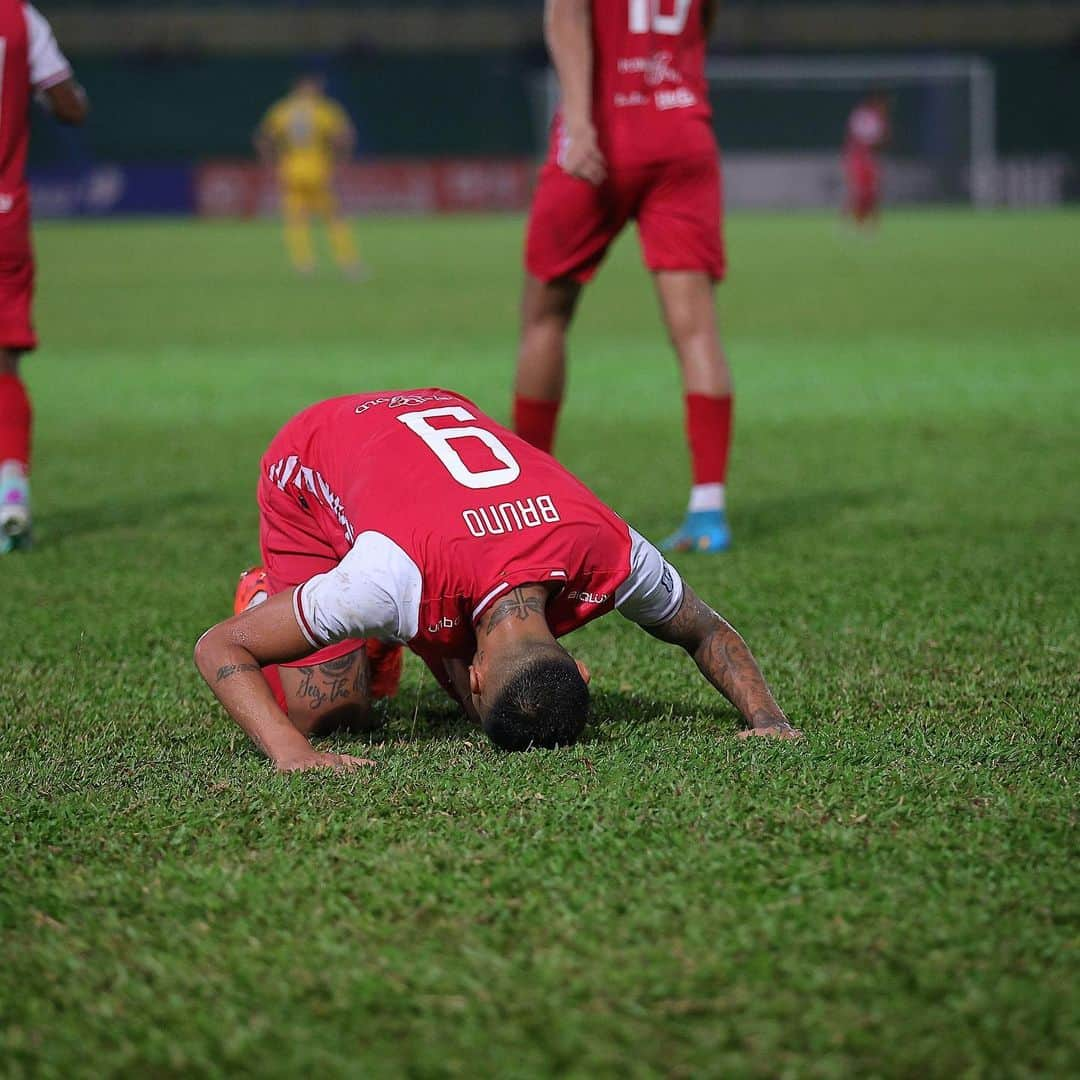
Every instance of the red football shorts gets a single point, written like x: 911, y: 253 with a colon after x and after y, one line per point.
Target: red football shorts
x: 293, y: 551
x: 677, y: 205
x: 16, y: 301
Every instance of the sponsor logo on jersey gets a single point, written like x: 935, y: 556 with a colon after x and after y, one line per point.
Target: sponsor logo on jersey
x: 290, y: 470
x: 626, y: 101
x: 398, y: 401
x: 657, y: 68
x: 680, y: 98
x: 516, y: 516
x: 445, y: 623
x: 584, y: 597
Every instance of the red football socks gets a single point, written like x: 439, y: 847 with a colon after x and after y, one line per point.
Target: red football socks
x: 15, y: 417
x: 708, y: 430
x: 535, y: 421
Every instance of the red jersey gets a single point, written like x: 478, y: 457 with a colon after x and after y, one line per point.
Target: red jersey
x: 435, y: 511
x: 650, y: 97
x: 29, y: 59
x: 867, y: 129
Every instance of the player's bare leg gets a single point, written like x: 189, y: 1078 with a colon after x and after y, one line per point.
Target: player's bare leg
x: 298, y: 240
x: 687, y: 299
x: 547, y: 308
x: 344, y: 248
x: 342, y: 243
x: 15, y: 420
x: 327, y: 697
x: 320, y: 698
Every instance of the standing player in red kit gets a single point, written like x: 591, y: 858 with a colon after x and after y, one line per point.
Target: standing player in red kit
x: 867, y: 134
x: 410, y: 518
x: 29, y: 61
x: 633, y: 138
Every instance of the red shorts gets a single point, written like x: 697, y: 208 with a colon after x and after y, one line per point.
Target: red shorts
x: 16, y: 300
x: 294, y: 550
x: 677, y: 205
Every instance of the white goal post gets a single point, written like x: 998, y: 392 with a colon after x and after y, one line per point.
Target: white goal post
x: 861, y: 73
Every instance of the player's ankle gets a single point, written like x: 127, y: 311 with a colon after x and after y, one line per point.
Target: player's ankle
x: 706, y: 497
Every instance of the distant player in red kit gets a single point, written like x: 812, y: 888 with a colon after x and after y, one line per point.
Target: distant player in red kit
x: 633, y: 139
x: 409, y: 517
x: 29, y: 61
x: 867, y: 134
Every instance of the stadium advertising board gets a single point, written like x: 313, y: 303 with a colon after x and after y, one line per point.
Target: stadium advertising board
x: 108, y: 190
x: 241, y: 189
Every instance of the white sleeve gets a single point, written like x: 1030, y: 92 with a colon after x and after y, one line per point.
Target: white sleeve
x: 373, y: 592
x: 48, y: 65
x: 653, y: 591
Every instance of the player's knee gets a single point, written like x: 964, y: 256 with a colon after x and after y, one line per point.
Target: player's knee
x: 548, y: 306
x: 694, y: 335
x: 691, y: 322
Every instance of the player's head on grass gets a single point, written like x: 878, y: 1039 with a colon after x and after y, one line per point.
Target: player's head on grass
x: 542, y: 701
x: 527, y: 689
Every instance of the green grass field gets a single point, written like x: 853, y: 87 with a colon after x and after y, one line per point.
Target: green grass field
x: 897, y: 895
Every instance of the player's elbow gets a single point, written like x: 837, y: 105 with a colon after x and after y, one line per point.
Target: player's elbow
x: 207, y: 654
x: 68, y: 103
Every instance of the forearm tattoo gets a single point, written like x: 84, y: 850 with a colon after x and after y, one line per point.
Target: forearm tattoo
x: 228, y: 670
x: 517, y: 605
x: 723, y: 658
x: 728, y: 664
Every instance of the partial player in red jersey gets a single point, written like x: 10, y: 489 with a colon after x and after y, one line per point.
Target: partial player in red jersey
x: 410, y: 518
x: 29, y: 61
x: 633, y: 138
x: 868, y: 133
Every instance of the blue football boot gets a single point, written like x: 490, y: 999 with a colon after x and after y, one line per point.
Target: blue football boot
x: 702, y: 530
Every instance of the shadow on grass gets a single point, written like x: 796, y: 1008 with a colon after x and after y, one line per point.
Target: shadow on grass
x: 435, y: 720
x: 82, y: 521
x: 767, y: 517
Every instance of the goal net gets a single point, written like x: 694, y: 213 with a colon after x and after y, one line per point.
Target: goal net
x: 781, y: 123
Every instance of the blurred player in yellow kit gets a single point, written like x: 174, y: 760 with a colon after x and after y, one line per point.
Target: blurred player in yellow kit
x: 304, y: 135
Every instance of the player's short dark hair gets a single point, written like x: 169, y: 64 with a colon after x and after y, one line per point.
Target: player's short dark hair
x: 543, y: 703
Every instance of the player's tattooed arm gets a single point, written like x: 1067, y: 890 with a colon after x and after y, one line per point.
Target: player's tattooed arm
x: 726, y: 661
x: 230, y: 657
x: 226, y: 671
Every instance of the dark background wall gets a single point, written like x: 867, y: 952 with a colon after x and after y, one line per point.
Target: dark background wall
x: 174, y: 81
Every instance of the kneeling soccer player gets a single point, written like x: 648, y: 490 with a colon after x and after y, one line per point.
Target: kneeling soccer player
x: 411, y: 518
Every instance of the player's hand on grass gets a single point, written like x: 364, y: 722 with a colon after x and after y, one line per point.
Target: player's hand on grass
x: 581, y: 156
x: 318, y: 760
x: 773, y: 729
